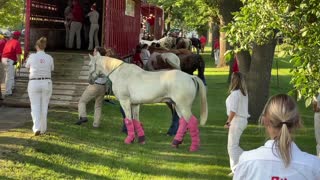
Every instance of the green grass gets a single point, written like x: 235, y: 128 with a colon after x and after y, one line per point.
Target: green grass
x: 82, y: 152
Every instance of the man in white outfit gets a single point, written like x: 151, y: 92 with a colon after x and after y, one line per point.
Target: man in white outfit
x: 94, y: 27
x: 316, y: 108
x: 40, y: 86
x: 76, y: 24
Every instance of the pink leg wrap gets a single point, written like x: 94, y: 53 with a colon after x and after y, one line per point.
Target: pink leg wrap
x: 130, y: 128
x: 139, y: 129
x: 194, y: 133
x: 180, y: 133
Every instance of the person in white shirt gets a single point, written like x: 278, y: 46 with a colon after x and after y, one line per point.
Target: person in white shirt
x: 316, y: 109
x: 279, y: 158
x: 40, y: 85
x: 145, y: 54
x: 97, y: 91
x: 237, y: 111
x: 94, y: 27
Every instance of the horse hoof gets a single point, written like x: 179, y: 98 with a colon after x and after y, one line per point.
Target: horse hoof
x: 175, y: 143
x: 128, y: 141
x: 194, y: 149
x: 142, y: 139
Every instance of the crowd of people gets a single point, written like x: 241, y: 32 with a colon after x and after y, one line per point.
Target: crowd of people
x: 75, y: 19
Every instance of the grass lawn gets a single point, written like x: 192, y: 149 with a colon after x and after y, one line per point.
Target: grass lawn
x: 83, y: 152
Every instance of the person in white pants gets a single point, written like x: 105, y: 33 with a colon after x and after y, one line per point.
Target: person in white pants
x: 279, y: 158
x: 97, y: 91
x: 316, y: 108
x: 94, y: 27
x: 76, y: 24
x: 237, y: 111
x: 40, y: 85
x: 67, y: 21
x: 10, y: 57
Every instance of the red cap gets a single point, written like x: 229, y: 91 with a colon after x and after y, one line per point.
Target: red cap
x: 16, y: 33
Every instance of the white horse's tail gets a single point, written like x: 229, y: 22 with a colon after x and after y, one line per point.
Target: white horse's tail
x: 203, y: 100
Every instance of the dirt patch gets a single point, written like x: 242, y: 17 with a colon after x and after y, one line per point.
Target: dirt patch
x: 11, y: 117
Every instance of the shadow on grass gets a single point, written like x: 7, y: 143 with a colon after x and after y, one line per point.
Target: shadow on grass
x: 41, y: 149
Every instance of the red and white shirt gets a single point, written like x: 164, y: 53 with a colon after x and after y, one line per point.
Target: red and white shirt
x: 40, y: 64
x: 11, y: 49
x: 264, y: 164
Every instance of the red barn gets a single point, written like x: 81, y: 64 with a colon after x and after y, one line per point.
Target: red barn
x: 119, y: 24
x: 153, y: 21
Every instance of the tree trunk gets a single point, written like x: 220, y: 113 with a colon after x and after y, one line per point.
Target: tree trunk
x: 226, y: 8
x: 244, y: 61
x: 258, y: 78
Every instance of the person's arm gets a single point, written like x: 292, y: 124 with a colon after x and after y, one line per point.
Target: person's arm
x: 234, y: 102
x: 28, y: 62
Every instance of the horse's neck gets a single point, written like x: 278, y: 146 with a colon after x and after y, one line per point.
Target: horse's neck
x: 110, y: 64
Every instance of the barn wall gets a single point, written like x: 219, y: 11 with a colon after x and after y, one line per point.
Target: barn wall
x: 121, y: 31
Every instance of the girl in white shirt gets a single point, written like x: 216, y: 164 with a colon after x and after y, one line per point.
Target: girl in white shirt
x: 280, y: 158
x: 237, y: 111
x: 40, y: 85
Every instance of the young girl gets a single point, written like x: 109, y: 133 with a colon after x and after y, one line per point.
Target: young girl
x: 279, y: 158
x: 237, y: 111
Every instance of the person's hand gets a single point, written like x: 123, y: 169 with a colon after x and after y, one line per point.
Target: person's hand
x: 227, y: 125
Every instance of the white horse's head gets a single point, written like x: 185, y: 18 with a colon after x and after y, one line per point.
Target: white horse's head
x: 95, y: 69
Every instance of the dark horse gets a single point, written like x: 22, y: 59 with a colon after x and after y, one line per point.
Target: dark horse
x: 196, y: 43
x: 188, y: 64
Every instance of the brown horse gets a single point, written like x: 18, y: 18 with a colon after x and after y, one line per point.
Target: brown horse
x: 188, y: 64
x: 165, y: 50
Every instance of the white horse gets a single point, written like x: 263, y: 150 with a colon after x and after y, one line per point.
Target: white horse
x: 133, y: 86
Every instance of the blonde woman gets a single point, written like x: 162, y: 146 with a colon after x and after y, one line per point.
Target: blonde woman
x: 40, y: 85
x: 237, y: 111
x: 279, y: 158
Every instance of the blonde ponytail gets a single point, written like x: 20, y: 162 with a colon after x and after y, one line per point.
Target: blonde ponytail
x: 42, y: 43
x: 282, y: 115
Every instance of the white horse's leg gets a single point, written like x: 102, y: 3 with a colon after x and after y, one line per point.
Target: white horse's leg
x: 183, y: 125
x: 188, y: 121
x: 126, y: 106
x: 137, y: 124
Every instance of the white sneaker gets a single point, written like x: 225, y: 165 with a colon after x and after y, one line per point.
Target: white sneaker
x: 230, y: 174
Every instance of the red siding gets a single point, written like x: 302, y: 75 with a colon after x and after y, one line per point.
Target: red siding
x: 121, y: 31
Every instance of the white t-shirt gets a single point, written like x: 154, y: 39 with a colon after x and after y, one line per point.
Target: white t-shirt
x: 238, y: 103
x: 264, y: 164
x: 93, y: 16
x: 40, y: 64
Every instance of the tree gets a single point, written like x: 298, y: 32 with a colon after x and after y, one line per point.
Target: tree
x: 11, y: 13
x: 256, y: 27
x: 186, y: 14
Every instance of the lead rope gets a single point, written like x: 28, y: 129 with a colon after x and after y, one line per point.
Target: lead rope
x: 109, y: 84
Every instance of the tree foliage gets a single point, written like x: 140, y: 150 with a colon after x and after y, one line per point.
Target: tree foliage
x: 11, y: 13
x: 298, y: 22
x: 187, y: 14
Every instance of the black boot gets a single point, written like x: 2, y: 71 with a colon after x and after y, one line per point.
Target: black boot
x: 81, y: 120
